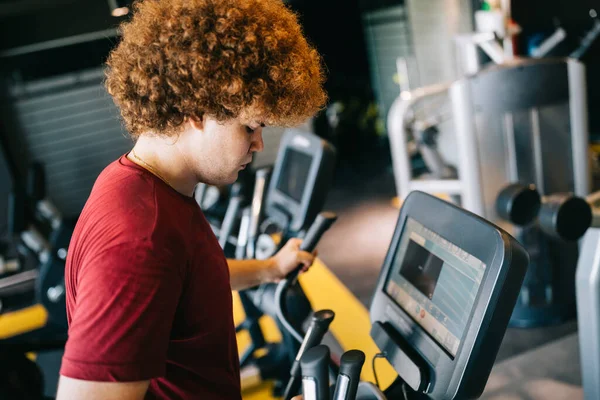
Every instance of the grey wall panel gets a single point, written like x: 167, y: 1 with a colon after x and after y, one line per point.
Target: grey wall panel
x: 72, y: 127
x: 387, y: 37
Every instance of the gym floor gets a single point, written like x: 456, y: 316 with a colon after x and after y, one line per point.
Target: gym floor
x: 356, y: 245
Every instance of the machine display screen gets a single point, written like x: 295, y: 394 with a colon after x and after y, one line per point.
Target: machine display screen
x: 294, y: 174
x: 435, y: 282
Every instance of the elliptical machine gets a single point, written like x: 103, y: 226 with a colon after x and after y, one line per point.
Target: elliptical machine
x: 441, y: 307
x: 285, y: 202
x: 41, y: 238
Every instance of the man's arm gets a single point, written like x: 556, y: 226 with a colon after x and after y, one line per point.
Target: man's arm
x: 247, y: 273
x: 75, y: 389
x: 127, y: 296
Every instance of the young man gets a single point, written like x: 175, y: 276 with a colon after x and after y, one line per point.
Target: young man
x: 149, y: 298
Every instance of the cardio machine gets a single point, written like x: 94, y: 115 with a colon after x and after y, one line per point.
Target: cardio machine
x: 286, y: 200
x: 441, y: 307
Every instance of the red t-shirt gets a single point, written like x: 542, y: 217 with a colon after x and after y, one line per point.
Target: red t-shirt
x: 148, y: 292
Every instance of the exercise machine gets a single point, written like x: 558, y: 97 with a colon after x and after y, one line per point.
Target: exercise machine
x: 522, y: 122
x: 440, y: 309
x: 299, y: 184
x: 286, y: 200
x: 588, y: 304
x: 41, y: 238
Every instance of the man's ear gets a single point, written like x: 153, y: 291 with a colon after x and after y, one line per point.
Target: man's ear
x: 197, y: 123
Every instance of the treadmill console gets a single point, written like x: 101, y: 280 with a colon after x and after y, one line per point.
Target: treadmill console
x: 444, y: 298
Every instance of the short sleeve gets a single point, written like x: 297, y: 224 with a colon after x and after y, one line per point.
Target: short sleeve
x: 126, y: 299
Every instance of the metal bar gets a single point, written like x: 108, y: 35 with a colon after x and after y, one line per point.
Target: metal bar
x: 537, y: 150
x: 469, y: 172
x: 396, y: 121
x: 26, y: 278
x: 240, y: 250
x: 228, y: 221
x: 258, y: 201
x: 587, y: 284
x: 578, y: 108
x: 448, y: 186
x: 511, y: 148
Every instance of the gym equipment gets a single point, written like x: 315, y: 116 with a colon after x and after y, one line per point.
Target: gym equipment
x: 443, y: 299
x: 223, y: 206
x: 561, y: 216
x: 285, y: 201
x: 256, y: 211
x: 575, y: 359
x: 351, y: 364
x: 322, y: 223
x: 315, y: 373
x: 588, y: 303
x: 298, y: 187
x: 42, y: 239
x: 442, y: 302
x: 314, y: 334
x: 500, y: 115
x: 280, y: 359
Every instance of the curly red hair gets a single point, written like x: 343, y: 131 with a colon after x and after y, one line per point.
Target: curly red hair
x: 180, y: 59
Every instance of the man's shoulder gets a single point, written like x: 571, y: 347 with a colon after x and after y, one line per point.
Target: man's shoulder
x: 131, y: 202
x: 122, y: 197
x: 121, y: 180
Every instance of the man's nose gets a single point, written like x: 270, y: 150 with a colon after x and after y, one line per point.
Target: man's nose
x: 258, y: 145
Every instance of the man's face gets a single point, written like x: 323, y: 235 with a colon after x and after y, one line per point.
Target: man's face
x: 217, y: 151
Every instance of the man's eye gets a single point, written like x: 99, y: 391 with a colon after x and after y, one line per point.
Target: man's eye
x: 249, y: 130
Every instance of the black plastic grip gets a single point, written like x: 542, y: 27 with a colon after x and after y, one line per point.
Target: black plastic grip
x: 315, y: 368
x: 518, y: 203
x: 351, y: 365
x: 322, y: 223
x: 565, y: 216
x: 319, y: 325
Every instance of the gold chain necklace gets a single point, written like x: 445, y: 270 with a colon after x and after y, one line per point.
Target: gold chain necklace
x: 149, y: 167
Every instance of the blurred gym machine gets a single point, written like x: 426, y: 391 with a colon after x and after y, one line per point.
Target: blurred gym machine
x: 439, y: 311
x: 588, y: 303
x: 39, y: 239
x: 37, y: 246
x: 524, y: 121
x: 286, y: 198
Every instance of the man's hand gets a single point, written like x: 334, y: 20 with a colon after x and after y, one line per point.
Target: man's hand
x: 289, y: 258
x: 299, y: 397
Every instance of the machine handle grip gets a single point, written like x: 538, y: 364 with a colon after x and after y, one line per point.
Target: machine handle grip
x: 565, y: 216
x: 315, y: 373
x: 351, y: 365
x: 319, y: 325
x: 518, y: 204
x: 322, y: 223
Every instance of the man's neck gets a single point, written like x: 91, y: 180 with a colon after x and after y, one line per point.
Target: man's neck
x: 162, y: 158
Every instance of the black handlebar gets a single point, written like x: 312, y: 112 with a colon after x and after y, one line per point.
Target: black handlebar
x: 351, y: 365
x: 319, y: 325
x: 315, y: 373
x: 322, y: 223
